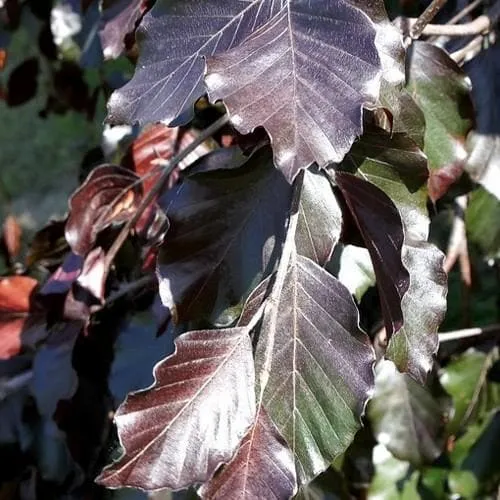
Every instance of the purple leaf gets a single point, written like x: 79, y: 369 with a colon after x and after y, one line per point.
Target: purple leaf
x: 191, y: 420
x: 109, y: 195
x: 380, y: 225
x: 304, y: 76
x: 226, y: 228
x: 262, y: 467
x: 300, y: 71
x: 119, y: 18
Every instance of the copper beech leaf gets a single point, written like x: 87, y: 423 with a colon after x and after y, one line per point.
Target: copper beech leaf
x: 397, y: 166
x: 320, y: 218
x: 302, y: 70
x: 314, y: 365
x: 118, y: 20
x: 226, y: 229
x: 191, y: 420
x: 380, y: 225
x: 263, y: 467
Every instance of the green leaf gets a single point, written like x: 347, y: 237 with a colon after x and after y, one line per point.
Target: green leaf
x: 356, y: 271
x: 483, y: 163
x: 463, y: 483
x: 442, y: 91
x: 406, y: 417
x: 314, y: 365
x: 465, y: 379
x: 481, y: 219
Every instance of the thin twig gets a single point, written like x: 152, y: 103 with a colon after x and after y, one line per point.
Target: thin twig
x: 457, y: 246
x: 469, y: 332
x: 425, y: 18
x: 142, y: 282
x: 473, y: 48
x: 122, y: 236
x: 469, y: 8
x: 481, y: 24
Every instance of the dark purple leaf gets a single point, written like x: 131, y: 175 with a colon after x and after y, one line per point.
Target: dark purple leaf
x: 320, y: 219
x: 397, y: 166
x: 61, y: 281
x: 380, y: 225
x: 226, y: 228
x: 263, y: 467
x: 178, y: 432
x: 119, y: 18
x: 109, y: 195
x: 53, y: 375
x: 302, y: 73
x: 23, y: 82
x: 48, y: 246
x: 314, y: 365
x: 304, y: 76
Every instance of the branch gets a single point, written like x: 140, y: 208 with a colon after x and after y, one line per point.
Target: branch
x: 480, y: 25
x: 122, y: 236
x: 426, y: 17
x: 469, y: 332
x: 473, y: 48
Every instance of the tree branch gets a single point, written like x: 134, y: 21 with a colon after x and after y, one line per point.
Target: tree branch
x: 426, y: 17
x: 469, y: 332
x: 480, y: 25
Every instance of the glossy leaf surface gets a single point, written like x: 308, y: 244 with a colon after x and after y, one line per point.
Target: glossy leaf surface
x: 398, y: 167
x: 262, y: 467
x: 380, y: 225
x: 314, y: 365
x: 442, y: 90
x: 191, y: 420
x: 260, y: 53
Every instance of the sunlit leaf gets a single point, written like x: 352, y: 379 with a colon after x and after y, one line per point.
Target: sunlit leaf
x: 226, y: 228
x: 320, y: 219
x: 397, y: 166
x: 442, y: 90
x: 406, y: 417
x: 191, y: 420
x: 356, y: 270
x: 314, y: 365
x: 262, y: 467
x: 260, y: 53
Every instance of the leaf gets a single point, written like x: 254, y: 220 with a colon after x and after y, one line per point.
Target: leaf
x: 405, y: 416
x: 325, y: 74
x: 262, y: 467
x: 396, y: 165
x: 53, y: 375
x: 109, y: 195
x: 219, y: 220
x: 314, y: 366
x: 356, y: 270
x: 465, y: 379
x: 481, y: 220
x: 483, y: 162
x: 320, y: 219
x: 380, y: 225
x: 119, y: 18
x: 191, y: 420
x: 304, y: 78
x: 442, y: 90
x: 21, y: 324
